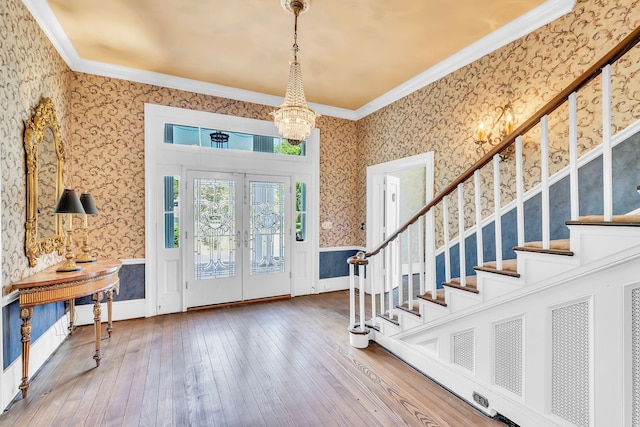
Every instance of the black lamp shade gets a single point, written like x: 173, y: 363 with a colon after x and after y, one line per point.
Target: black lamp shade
x: 69, y: 203
x: 88, y: 204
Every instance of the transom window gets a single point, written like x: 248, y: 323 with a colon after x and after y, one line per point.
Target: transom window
x: 221, y: 139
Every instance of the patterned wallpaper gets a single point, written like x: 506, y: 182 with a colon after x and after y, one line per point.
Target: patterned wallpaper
x: 443, y: 117
x: 31, y: 69
x: 107, y: 158
x: 102, y: 120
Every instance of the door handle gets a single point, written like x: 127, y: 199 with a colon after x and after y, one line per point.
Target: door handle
x: 246, y: 239
x: 238, y: 239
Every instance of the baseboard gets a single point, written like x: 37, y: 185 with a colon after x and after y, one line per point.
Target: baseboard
x: 122, y: 310
x: 333, y: 284
x: 40, y: 351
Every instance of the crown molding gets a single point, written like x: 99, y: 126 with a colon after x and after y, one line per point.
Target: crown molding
x: 542, y: 15
x: 527, y: 23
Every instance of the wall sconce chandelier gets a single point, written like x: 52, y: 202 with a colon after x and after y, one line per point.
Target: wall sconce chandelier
x: 294, y: 119
x: 489, y: 139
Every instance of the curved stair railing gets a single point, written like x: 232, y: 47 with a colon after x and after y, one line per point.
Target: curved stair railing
x: 384, y: 300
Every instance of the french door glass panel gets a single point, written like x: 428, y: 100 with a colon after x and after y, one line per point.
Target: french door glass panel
x: 239, y: 245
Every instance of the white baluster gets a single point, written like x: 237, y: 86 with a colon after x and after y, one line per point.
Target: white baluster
x: 421, y: 252
x: 389, y: 276
x: 544, y: 181
x: 431, y: 252
x: 497, y: 214
x: 607, y: 161
x: 461, y: 245
x: 478, y: 196
x: 383, y: 280
x: 519, y: 192
x: 398, y: 258
x: 447, y: 255
x: 573, y: 157
x: 410, y: 272
x: 373, y: 282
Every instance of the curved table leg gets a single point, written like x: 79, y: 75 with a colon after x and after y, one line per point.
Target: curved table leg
x: 97, y: 312
x: 110, y: 317
x: 25, y: 314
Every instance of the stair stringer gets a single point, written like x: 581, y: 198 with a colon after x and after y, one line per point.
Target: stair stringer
x: 601, y: 282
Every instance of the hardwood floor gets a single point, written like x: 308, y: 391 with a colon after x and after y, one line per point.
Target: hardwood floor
x: 281, y: 363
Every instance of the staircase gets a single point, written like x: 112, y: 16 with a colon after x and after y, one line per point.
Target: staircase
x: 548, y: 332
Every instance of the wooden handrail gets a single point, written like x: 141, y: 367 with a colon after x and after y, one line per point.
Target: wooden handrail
x: 623, y: 47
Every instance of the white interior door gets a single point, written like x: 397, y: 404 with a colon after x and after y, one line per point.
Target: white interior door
x: 238, y: 238
x: 391, y: 223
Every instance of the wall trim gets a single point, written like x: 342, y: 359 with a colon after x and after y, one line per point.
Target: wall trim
x: 122, y: 310
x: 538, y: 17
x: 41, y: 350
x: 333, y: 284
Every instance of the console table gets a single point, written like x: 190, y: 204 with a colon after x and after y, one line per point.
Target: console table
x: 48, y: 286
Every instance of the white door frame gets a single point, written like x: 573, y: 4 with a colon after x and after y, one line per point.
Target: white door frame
x: 375, y: 197
x: 305, y: 255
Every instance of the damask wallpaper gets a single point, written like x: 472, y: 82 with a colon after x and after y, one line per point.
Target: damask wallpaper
x: 102, y: 121
x: 443, y: 117
x: 31, y: 69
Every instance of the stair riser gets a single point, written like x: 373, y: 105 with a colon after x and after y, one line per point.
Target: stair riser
x: 494, y: 285
x: 535, y: 267
x: 592, y: 243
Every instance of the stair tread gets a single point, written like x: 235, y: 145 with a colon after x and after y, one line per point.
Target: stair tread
x: 633, y: 220
x: 390, y: 318
x: 556, y: 247
x: 405, y: 307
x: 438, y: 300
x: 509, y: 268
x: 471, y: 284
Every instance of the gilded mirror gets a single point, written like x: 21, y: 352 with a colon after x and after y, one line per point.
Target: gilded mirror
x: 45, y: 163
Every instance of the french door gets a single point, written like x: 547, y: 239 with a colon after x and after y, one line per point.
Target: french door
x: 238, y: 237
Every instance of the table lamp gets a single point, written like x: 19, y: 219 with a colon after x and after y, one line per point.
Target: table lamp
x: 69, y: 204
x: 89, y: 209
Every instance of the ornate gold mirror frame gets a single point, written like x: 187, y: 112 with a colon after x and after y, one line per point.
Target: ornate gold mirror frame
x: 42, y: 136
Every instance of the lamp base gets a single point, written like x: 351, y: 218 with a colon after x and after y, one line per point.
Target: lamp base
x: 69, y: 265
x: 85, y: 258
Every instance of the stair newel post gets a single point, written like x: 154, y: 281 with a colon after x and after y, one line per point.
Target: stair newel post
x: 573, y: 157
x: 430, y: 252
x: 519, y: 192
x: 421, y: 253
x: 544, y: 181
x: 352, y: 297
x: 478, y: 198
x: 497, y: 211
x: 361, y: 286
x: 358, y: 333
x: 410, y: 270
x: 607, y: 162
x: 445, y: 226
x: 461, y: 244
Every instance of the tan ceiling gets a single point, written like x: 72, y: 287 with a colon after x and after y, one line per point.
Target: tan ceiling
x: 352, y: 50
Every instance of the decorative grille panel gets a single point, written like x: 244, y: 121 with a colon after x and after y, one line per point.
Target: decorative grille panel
x: 508, y: 355
x: 464, y: 350
x: 570, y: 394
x: 635, y: 356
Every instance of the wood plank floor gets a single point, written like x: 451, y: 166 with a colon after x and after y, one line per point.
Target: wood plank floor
x: 279, y: 363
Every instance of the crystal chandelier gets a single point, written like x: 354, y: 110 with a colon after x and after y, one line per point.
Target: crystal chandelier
x: 294, y: 119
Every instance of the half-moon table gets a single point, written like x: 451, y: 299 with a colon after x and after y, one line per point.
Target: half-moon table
x: 48, y: 286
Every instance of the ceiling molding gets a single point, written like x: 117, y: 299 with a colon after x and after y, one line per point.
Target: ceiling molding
x: 542, y: 15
